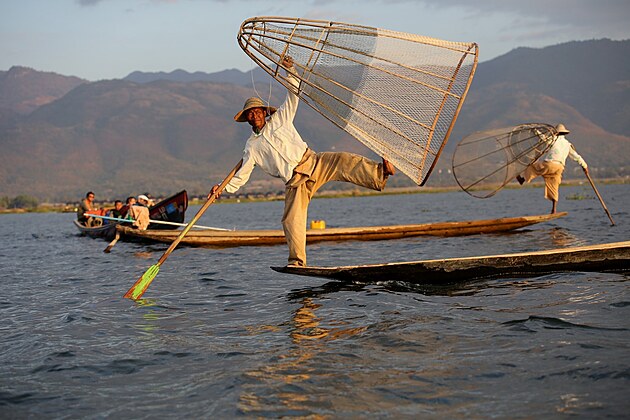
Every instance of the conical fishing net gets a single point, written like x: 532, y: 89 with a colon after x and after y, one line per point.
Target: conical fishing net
x: 397, y: 93
x: 485, y: 161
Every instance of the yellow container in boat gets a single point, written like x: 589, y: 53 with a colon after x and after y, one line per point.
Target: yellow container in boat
x: 318, y: 224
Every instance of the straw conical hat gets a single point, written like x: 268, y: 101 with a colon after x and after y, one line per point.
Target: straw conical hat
x: 561, y: 129
x: 252, y: 102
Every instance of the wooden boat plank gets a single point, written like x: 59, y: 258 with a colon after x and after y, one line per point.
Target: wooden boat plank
x: 211, y: 238
x: 593, y: 258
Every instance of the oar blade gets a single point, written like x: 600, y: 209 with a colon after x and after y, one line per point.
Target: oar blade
x: 112, y: 243
x: 138, y: 289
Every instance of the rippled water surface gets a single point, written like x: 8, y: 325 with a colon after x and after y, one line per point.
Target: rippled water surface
x: 221, y: 335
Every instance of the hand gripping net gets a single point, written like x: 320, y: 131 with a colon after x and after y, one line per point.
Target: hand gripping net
x: 485, y: 161
x: 397, y: 93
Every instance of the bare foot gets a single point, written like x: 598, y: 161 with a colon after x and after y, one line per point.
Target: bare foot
x: 388, y: 168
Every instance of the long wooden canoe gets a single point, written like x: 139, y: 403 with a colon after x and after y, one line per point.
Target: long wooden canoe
x: 610, y: 257
x: 212, y: 238
x: 171, y: 209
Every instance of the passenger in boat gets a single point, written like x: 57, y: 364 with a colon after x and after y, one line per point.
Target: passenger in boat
x: 276, y: 146
x: 87, y: 204
x: 150, y: 200
x: 117, y: 210
x: 139, y: 213
x: 143, y: 200
x: 552, y: 164
x: 124, y: 211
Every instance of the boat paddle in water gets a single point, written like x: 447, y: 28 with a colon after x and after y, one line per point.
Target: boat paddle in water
x: 140, y: 286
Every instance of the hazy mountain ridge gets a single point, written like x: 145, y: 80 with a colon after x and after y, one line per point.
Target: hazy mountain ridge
x: 23, y: 89
x: 234, y: 76
x: 148, y: 133
x: 591, y: 76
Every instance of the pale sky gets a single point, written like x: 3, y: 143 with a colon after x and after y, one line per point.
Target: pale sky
x: 108, y: 39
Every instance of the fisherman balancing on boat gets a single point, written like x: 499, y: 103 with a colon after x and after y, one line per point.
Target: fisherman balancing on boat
x: 551, y: 166
x: 277, y: 148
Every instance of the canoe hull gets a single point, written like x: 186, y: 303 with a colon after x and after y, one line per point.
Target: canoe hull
x: 107, y: 231
x: 611, y: 257
x: 223, y: 239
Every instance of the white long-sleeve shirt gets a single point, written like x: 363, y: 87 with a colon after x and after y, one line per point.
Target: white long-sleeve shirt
x: 277, y: 149
x: 561, y: 149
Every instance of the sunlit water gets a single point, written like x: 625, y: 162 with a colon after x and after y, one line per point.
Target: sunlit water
x: 221, y: 335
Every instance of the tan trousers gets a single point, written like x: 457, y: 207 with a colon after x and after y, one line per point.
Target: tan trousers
x: 312, y: 172
x: 552, y: 173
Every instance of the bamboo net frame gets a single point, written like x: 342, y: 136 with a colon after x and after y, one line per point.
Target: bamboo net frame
x: 397, y: 93
x: 485, y: 161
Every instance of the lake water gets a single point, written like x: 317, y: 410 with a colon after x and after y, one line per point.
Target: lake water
x: 221, y: 335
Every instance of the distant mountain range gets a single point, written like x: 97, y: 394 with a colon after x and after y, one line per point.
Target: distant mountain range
x: 233, y: 76
x: 161, y: 132
x: 22, y: 90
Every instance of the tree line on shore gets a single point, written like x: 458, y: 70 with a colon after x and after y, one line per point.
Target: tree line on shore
x: 23, y: 201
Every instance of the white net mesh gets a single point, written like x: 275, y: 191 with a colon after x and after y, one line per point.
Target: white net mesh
x: 486, y: 161
x: 399, y: 94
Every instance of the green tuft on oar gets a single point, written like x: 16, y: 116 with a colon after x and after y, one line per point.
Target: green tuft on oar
x: 138, y: 289
x: 140, y: 286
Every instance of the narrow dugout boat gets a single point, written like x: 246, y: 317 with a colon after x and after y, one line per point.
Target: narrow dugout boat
x: 106, y: 231
x: 609, y: 257
x: 171, y: 209
x: 213, y: 238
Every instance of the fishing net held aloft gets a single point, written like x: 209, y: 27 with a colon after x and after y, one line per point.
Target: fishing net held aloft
x: 485, y: 161
x: 397, y: 93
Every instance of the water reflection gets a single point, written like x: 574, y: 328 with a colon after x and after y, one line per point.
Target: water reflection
x: 573, y: 404
x: 285, y: 382
x: 562, y: 238
x: 464, y: 288
x: 324, y: 289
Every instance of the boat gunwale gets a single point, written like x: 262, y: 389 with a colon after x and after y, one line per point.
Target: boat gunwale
x: 212, y: 238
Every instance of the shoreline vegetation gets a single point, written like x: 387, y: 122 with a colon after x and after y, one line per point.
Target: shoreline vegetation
x: 30, y: 204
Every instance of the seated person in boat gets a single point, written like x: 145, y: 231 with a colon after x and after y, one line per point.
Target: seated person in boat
x: 130, y: 201
x: 139, y: 212
x: 116, y: 211
x: 86, y: 205
x: 277, y: 148
x: 143, y: 200
x: 552, y: 164
x: 150, y: 200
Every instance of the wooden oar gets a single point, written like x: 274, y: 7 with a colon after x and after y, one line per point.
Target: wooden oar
x: 599, y: 196
x: 112, y: 243
x: 159, y: 222
x: 140, y: 286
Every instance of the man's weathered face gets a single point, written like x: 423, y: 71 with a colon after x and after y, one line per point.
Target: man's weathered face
x: 256, y: 117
